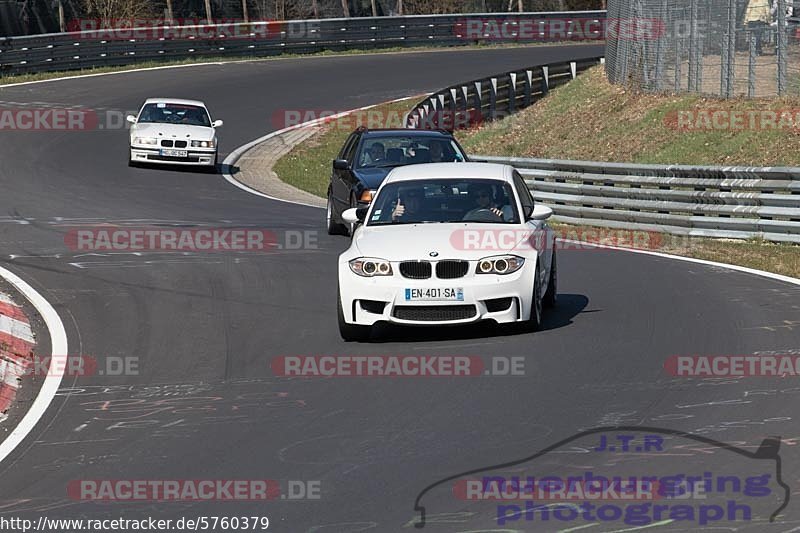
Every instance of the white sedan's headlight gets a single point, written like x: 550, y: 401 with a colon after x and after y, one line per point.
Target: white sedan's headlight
x: 145, y: 140
x: 369, y: 267
x: 500, y: 264
x: 204, y: 144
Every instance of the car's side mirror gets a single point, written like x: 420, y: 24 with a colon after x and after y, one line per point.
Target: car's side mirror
x: 540, y: 212
x: 131, y: 119
x: 354, y: 215
x: 341, y: 164
x: 217, y: 124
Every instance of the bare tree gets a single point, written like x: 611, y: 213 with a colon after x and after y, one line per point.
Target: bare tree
x: 106, y: 10
x: 374, y: 8
x: 345, y: 9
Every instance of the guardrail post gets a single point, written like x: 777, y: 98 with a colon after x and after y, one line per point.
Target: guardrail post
x: 545, y: 80
x: 573, y: 67
x: 512, y: 92
x: 479, y: 99
x: 528, y: 89
x: 492, y: 98
x: 453, y: 109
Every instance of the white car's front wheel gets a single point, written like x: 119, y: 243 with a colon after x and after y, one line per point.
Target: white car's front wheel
x: 349, y: 332
x: 535, y: 320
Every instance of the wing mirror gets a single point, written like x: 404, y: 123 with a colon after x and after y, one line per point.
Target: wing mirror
x: 341, y: 164
x: 540, y: 212
x: 354, y: 215
x: 217, y: 124
x: 131, y: 119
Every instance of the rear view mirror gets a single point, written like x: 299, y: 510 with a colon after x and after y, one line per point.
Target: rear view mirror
x: 341, y: 164
x: 354, y: 215
x: 131, y: 119
x: 217, y: 124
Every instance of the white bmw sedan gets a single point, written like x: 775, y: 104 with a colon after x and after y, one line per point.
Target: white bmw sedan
x: 173, y: 131
x: 447, y: 244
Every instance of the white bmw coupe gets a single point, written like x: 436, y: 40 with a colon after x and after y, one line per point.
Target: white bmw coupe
x: 446, y: 244
x: 172, y: 131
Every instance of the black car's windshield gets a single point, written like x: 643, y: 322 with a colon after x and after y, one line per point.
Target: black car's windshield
x: 165, y: 113
x: 445, y: 200
x: 393, y: 151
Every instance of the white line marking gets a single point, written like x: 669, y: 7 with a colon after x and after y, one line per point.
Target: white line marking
x: 58, y: 342
x: 771, y: 275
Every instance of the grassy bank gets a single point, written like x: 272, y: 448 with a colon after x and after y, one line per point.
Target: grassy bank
x: 602, y: 122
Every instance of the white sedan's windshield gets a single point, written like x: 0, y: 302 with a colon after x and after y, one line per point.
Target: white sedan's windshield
x: 444, y: 200
x: 174, y: 114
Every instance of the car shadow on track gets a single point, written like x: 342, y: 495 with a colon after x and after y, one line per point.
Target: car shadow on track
x: 568, y: 307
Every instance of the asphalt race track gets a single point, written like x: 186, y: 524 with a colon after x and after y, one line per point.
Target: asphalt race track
x: 206, y: 404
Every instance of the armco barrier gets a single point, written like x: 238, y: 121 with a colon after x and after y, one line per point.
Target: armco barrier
x: 700, y: 201
x: 78, y: 50
x: 494, y: 96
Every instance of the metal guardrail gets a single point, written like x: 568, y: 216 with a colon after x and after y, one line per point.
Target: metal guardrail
x: 78, y: 50
x: 697, y: 201
x: 493, y: 97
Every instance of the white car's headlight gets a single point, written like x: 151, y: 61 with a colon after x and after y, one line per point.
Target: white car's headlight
x: 204, y: 144
x: 145, y: 140
x: 369, y: 267
x: 500, y: 264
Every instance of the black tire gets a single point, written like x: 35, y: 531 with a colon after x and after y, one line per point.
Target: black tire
x: 535, y: 320
x: 334, y: 228
x: 551, y: 295
x: 350, y: 332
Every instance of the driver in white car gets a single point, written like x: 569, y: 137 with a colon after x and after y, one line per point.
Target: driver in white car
x: 482, y: 195
x: 409, y: 202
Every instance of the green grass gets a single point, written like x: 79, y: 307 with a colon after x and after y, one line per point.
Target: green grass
x: 602, y: 122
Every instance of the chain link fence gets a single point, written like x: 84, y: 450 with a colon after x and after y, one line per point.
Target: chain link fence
x: 718, y: 47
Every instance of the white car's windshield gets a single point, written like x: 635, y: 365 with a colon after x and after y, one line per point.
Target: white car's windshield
x: 443, y: 201
x: 395, y: 151
x: 165, y: 113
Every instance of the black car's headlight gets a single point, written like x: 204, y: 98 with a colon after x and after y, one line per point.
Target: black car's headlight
x: 369, y: 267
x: 204, y: 144
x: 500, y: 264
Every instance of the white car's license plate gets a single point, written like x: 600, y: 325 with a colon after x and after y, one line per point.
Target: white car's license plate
x: 174, y: 153
x: 455, y: 294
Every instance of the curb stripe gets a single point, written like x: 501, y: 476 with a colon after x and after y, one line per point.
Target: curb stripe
x: 12, y: 311
x: 15, y: 345
x: 15, y: 328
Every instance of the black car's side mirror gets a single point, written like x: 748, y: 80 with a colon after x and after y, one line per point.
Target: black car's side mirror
x: 341, y: 164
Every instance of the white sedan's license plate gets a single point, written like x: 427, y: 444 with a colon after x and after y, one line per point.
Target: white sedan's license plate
x: 446, y: 294
x: 174, y: 153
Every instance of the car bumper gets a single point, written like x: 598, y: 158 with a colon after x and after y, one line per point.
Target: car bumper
x: 502, y: 299
x: 194, y: 157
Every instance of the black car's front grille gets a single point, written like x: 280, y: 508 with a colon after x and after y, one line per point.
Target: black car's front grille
x: 451, y: 269
x: 180, y: 144
x: 434, y: 313
x: 166, y: 143
x: 415, y: 269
